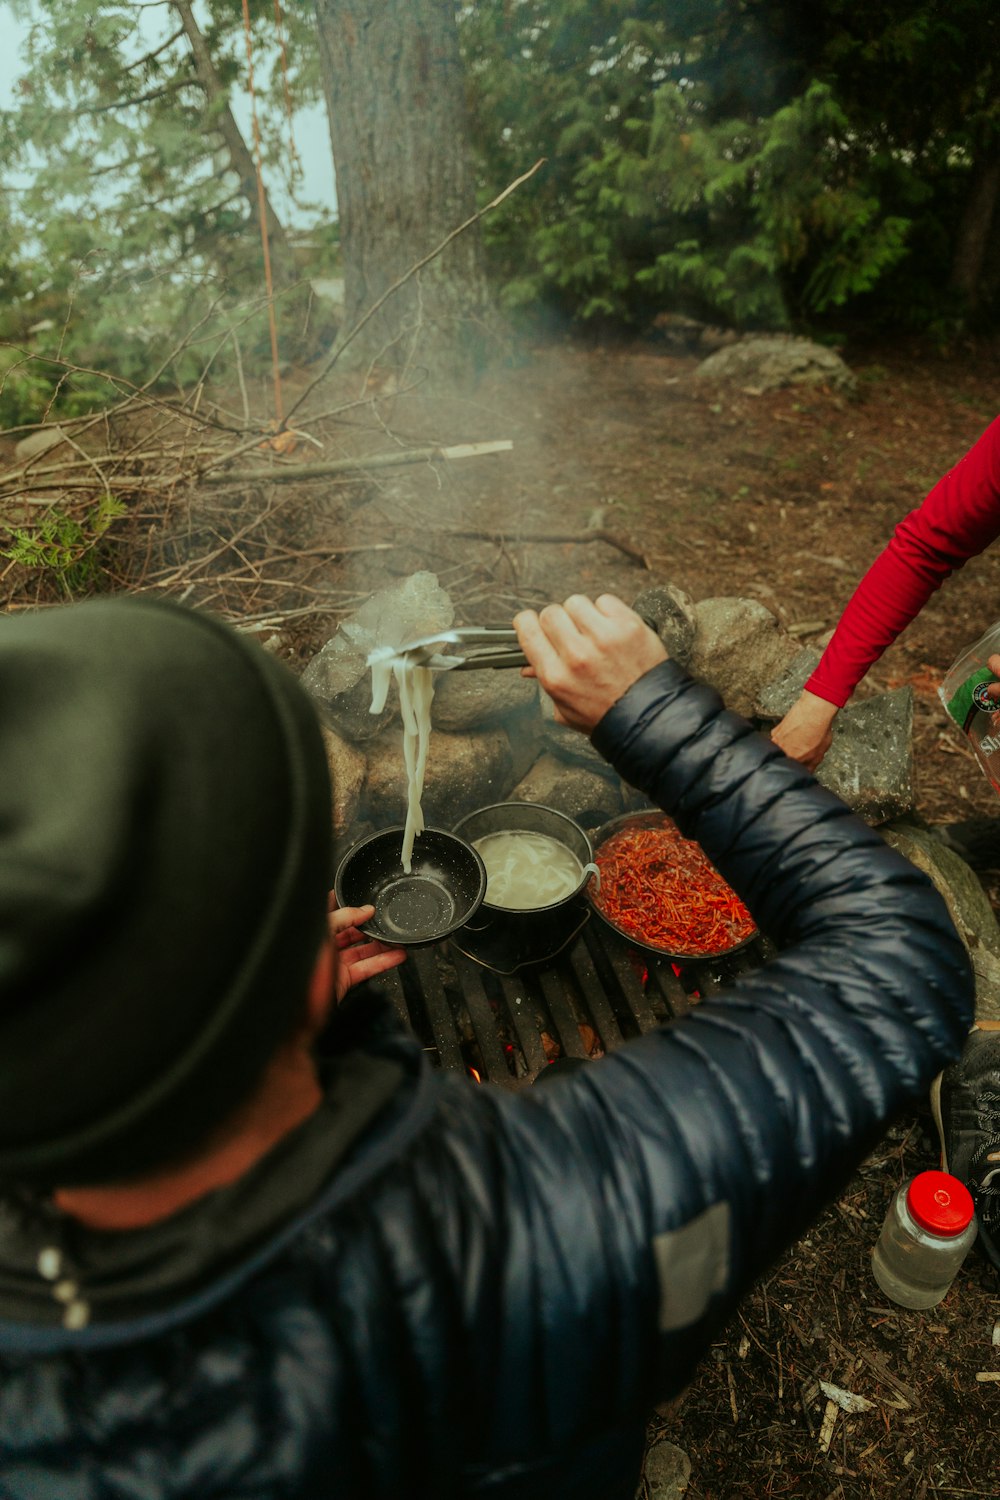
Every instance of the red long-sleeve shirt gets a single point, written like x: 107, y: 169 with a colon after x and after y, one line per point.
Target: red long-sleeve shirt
x: 958, y: 519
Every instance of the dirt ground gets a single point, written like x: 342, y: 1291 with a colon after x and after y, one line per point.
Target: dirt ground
x: 787, y: 498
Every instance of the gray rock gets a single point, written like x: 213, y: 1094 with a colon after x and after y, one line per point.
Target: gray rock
x: 582, y: 794
x: 666, y: 1472
x: 464, y: 772
x: 671, y: 612
x: 469, y: 700
x: 870, y: 763
x: 524, y: 735
x: 765, y: 364
x: 739, y: 648
x: 967, y: 903
x: 348, y: 769
x: 776, y: 697
x: 42, y: 441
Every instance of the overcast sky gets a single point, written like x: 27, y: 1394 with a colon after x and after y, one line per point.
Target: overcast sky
x: 311, y: 132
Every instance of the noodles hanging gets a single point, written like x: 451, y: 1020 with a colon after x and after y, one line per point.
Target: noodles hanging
x: 416, y: 689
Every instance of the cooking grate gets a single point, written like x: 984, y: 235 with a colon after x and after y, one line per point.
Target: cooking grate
x: 590, y: 998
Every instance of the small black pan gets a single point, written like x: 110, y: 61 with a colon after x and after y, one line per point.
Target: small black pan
x: 444, y: 888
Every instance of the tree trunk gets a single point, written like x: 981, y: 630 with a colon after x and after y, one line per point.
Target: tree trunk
x: 395, y: 95
x: 973, y: 238
x: 240, y: 159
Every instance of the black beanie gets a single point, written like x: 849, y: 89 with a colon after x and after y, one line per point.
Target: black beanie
x: 165, y: 837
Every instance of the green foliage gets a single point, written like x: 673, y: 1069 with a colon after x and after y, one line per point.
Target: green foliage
x: 65, y: 549
x: 759, y: 164
x: 24, y: 390
x: 133, y: 226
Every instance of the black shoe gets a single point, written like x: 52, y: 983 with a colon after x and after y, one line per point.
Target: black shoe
x: 965, y: 1100
x: 976, y: 840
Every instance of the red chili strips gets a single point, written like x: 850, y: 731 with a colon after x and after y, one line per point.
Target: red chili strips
x: 660, y: 889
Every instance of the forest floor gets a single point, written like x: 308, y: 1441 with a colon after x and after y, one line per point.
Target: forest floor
x: 786, y: 498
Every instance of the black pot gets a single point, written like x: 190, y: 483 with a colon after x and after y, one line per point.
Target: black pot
x: 508, y: 940
x: 444, y: 889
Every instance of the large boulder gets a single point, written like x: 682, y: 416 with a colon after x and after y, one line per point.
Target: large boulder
x: 473, y: 700
x: 581, y: 793
x: 967, y: 903
x: 739, y: 647
x: 870, y: 762
x: 464, y: 772
x: 765, y: 364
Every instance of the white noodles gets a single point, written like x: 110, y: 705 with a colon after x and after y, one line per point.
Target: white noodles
x: 416, y: 689
x: 525, y: 869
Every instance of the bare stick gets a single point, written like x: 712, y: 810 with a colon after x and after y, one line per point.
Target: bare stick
x: 380, y: 301
x: 287, y: 473
x: 592, y: 534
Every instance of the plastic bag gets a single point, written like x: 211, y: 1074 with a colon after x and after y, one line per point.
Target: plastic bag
x: 977, y: 716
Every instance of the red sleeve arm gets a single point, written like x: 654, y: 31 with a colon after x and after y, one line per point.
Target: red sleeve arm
x: 958, y: 519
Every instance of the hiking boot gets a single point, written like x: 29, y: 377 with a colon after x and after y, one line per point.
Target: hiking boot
x: 965, y: 1100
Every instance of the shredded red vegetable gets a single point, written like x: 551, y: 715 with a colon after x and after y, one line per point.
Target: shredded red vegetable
x: 660, y: 889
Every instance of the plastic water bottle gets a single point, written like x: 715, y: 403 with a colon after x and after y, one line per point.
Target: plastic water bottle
x: 927, y: 1233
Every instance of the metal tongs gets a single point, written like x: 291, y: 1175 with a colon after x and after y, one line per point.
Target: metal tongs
x: 431, y: 650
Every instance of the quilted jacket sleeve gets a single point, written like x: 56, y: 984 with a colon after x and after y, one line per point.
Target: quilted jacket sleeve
x: 625, y: 1210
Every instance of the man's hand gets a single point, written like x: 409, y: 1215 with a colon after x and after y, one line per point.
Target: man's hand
x: 358, y: 958
x: 805, y: 733
x: 586, y: 654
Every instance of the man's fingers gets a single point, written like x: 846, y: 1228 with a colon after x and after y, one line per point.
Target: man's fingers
x: 535, y: 643
x: 377, y: 963
x: 362, y: 953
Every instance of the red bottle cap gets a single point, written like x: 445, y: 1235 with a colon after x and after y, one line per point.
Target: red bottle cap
x: 940, y: 1203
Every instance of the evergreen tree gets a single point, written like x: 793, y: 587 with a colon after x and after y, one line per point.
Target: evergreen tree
x: 755, y: 160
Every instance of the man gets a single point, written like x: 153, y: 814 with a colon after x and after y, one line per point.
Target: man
x: 236, y: 1265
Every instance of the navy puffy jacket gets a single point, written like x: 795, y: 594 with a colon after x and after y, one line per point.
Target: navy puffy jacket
x: 492, y: 1289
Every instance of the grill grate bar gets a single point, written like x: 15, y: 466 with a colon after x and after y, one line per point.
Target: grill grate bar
x: 603, y: 1017
x: 567, y: 1028
x: 482, y: 1017
x: 521, y: 1008
x: 466, y: 1014
x: 435, y: 998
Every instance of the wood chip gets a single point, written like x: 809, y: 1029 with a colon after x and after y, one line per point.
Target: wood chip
x: 846, y: 1400
x: 829, y: 1423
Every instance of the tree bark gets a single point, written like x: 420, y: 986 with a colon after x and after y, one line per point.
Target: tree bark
x: 240, y: 159
x: 974, y: 231
x: 395, y: 95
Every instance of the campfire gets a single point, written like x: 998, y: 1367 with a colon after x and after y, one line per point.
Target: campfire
x: 485, y: 1010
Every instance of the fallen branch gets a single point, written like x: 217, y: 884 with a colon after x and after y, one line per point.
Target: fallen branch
x: 287, y: 473
x: 592, y: 534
